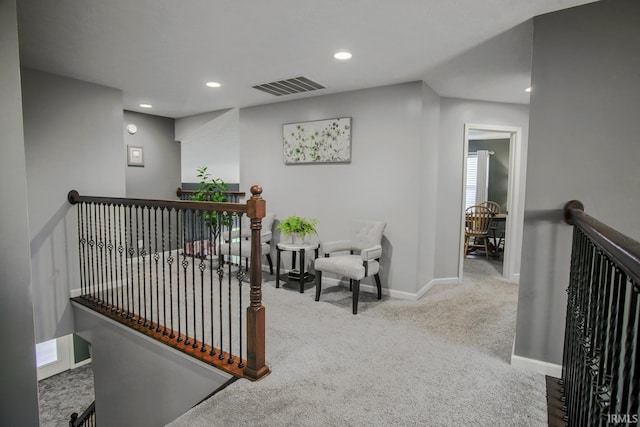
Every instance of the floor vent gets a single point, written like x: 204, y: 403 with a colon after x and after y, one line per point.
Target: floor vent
x: 289, y: 86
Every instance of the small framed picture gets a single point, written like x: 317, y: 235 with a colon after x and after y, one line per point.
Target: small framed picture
x: 135, y: 156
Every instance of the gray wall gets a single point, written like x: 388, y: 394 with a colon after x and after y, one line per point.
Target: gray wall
x: 428, y: 186
x: 18, y: 388
x: 583, y: 145
x: 381, y: 182
x: 160, y: 176
x: 73, y: 140
x: 454, y: 114
x: 212, y: 140
x: 138, y: 381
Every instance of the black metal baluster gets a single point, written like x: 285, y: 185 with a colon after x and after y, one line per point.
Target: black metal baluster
x: 631, y: 332
x: 92, y: 243
x: 230, y: 360
x: 240, y: 280
x: 203, y: 267
x: 131, y: 302
x: 591, y: 267
x: 212, y: 352
x: 105, y: 256
x: 601, y: 401
x: 598, y: 331
x: 86, y: 248
x: 170, y: 263
x: 568, y: 330
x: 186, y: 281
x: 139, y: 252
x: 151, y: 251
x: 185, y: 265
x: 193, y: 274
x: 81, y: 244
x: 635, y: 378
x: 156, y: 257
x: 143, y: 252
x: 121, y: 251
x: 620, y: 278
x: 220, y: 281
x: 110, y: 248
x: 98, y: 218
x: 575, y: 347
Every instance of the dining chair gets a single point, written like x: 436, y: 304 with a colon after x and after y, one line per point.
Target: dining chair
x: 477, y: 223
x: 495, y: 209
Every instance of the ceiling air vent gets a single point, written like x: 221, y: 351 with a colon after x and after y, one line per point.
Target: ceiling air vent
x: 289, y: 86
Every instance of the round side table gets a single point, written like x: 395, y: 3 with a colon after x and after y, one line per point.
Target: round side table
x: 295, y: 248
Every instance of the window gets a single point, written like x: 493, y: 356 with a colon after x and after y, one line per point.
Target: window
x: 472, y: 178
x: 46, y: 352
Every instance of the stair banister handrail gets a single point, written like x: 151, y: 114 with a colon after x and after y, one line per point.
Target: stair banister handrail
x: 623, y: 249
x: 600, y: 370
x: 255, y: 210
x: 74, y: 197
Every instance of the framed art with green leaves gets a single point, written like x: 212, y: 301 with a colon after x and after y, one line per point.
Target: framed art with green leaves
x: 320, y: 141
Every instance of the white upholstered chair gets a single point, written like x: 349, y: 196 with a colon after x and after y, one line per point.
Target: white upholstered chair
x: 355, y: 258
x: 244, y: 233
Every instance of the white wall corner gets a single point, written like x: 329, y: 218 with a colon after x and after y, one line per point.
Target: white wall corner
x: 425, y: 289
x: 447, y: 281
x: 537, y: 366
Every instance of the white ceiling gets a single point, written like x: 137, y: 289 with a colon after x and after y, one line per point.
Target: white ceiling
x: 163, y: 51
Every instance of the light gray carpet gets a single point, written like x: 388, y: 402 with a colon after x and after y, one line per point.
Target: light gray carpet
x: 63, y: 394
x: 440, y: 361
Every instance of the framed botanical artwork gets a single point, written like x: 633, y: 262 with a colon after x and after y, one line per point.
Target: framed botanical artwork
x: 319, y: 141
x: 135, y: 156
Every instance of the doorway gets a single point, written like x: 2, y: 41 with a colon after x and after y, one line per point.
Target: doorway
x: 510, y: 202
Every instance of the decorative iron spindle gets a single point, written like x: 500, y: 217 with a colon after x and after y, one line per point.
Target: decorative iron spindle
x: 601, y: 369
x: 170, y: 260
x: 121, y: 249
x: 130, y: 252
x: 129, y: 260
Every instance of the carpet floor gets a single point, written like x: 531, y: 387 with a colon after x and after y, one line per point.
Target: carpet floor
x: 439, y: 361
x: 63, y: 394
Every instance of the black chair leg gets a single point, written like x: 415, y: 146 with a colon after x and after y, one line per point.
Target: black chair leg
x: 318, y: 284
x: 379, y: 285
x: 270, y: 264
x: 356, y: 294
x: 350, y: 285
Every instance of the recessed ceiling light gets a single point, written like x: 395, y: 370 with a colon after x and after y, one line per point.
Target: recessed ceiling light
x: 343, y: 55
x: 146, y: 105
x: 212, y: 84
x: 528, y: 89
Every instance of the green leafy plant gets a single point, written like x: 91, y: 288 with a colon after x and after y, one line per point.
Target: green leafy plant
x: 298, y: 225
x: 212, y: 190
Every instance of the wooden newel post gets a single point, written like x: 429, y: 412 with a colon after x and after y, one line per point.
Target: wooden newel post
x: 256, y: 367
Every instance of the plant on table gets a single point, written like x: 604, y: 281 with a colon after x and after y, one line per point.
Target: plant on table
x: 293, y: 225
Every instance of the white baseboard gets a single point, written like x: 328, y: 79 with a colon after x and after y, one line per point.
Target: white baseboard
x: 447, y: 281
x: 385, y: 291
x: 538, y: 366
x: 80, y: 364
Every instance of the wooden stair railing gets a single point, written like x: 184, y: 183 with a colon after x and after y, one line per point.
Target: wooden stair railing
x: 157, y: 266
x: 86, y: 419
x: 600, y: 382
x: 232, y: 196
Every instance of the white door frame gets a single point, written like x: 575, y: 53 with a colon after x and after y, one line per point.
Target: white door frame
x: 515, y: 218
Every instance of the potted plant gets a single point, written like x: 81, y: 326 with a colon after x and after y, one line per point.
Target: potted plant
x: 211, y: 190
x: 297, y: 228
